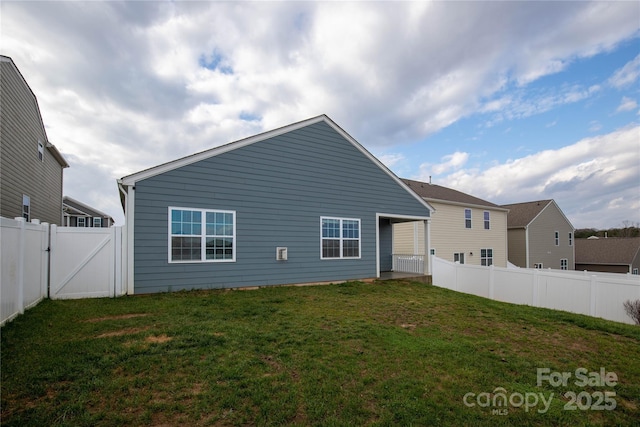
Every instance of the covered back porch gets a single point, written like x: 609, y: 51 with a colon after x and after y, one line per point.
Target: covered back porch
x: 413, y: 261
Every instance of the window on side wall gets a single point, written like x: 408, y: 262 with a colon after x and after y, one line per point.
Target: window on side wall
x: 458, y: 257
x: 82, y: 221
x: 570, y: 238
x: 564, y: 264
x: 467, y: 218
x: 486, y: 257
x: 97, y: 221
x: 201, y: 235
x: 539, y: 266
x: 340, y: 238
x: 557, y: 238
x: 487, y: 221
x: 26, y: 207
x: 40, y: 151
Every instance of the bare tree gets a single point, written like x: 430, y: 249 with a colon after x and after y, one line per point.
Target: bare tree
x: 633, y: 310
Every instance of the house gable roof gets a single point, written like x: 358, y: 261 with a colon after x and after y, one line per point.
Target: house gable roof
x: 81, y: 208
x: 184, y: 161
x: 50, y: 147
x: 438, y: 193
x: 523, y: 214
x: 611, y: 251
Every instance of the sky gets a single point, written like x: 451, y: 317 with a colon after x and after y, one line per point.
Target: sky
x: 507, y: 101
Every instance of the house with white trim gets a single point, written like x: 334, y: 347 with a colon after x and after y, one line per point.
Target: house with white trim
x: 305, y: 203
x: 540, y: 236
x: 464, y: 228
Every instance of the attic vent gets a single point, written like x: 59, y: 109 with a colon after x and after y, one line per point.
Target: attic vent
x: 281, y: 254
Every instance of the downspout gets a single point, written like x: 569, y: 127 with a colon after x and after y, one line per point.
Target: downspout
x: 526, y: 245
x: 127, y: 253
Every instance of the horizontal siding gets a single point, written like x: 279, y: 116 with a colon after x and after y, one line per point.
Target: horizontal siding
x: 517, y: 247
x: 449, y: 235
x: 21, y: 171
x: 542, y: 248
x: 279, y: 188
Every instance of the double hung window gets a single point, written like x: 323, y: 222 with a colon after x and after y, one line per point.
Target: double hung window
x: 340, y: 238
x: 201, y: 235
x: 486, y: 257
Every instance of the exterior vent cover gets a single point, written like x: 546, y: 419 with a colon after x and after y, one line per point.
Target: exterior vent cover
x: 281, y: 254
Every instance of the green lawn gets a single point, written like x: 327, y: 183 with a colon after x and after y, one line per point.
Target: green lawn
x: 387, y: 353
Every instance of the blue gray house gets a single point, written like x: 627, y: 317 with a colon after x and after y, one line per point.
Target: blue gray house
x: 305, y: 203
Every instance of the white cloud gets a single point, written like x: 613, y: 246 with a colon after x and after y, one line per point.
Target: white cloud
x: 626, y: 75
x: 129, y: 91
x: 627, y: 104
x: 584, y: 178
x: 448, y: 163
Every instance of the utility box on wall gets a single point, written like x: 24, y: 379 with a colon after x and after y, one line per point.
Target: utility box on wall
x: 281, y: 254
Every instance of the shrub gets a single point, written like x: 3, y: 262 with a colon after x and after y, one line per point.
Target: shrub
x: 633, y: 310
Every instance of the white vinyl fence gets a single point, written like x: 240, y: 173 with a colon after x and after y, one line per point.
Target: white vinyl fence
x: 24, y: 262
x: 590, y: 293
x: 42, y: 260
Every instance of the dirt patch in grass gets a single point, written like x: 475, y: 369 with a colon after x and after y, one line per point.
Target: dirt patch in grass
x: 121, y: 332
x: 116, y: 317
x: 158, y: 339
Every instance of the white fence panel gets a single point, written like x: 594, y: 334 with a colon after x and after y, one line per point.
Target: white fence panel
x: 610, y: 294
x: 84, y: 262
x: 445, y: 272
x: 474, y: 279
x: 24, y: 263
x: 515, y: 286
x: 591, y: 294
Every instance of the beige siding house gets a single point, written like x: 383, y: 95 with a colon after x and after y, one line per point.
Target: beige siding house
x: 30, y: 166
x: 464, y: 228
x: 540, y: 236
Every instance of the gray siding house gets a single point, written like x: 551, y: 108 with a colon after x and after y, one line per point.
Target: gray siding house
x: 31, y: 167
x: 540, y: 236
x: 77, y: 214
x: 305, y: 203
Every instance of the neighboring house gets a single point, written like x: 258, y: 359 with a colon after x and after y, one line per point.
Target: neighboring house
x: 77, y: 214
x: 30, y: 166
x: 464, y: 228
x: 612, y: 255
x: 540, y: 236
x: 304, y: 203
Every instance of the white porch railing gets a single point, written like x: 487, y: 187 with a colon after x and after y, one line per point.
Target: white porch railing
x: 408, y: 263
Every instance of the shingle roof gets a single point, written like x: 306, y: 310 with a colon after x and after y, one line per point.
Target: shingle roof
x: 81, y: 207
x: 614, y: 250
x: 433, y: 192
x: 521, y: 214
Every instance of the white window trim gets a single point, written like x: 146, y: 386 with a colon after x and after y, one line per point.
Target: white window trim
x: 566, y: 262
x: 538, y: 266
x: 470, y: 219
x: 322, y: 218
x: 557, y: 237
x: 26, y: 201
x: 84, y: 221
x: 570, y: 238
x: 203, y: 236
x: 486, y: 221
x: 635, y: 271
x: 98, y: 220
x: 40, y: 151
x: 486, y: 257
